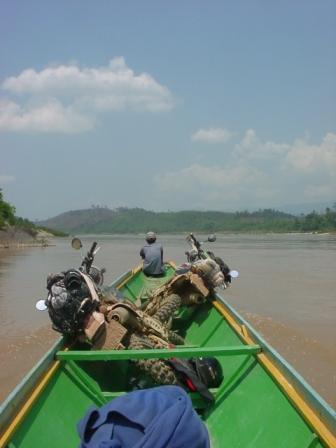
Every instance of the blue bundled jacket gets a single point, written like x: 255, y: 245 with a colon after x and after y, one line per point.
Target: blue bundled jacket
x: 152, y: 418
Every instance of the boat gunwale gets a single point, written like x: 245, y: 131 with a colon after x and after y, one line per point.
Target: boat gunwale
x: 324, y: 411
x: 15, y: 401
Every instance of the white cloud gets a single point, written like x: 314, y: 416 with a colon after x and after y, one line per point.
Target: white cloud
x: 212, y: 135
x: 67, y: 98
x: 251, y: 147
x: 5, y: 179
x: 307, y: 159
x: 48, y: 117
x: 256, y: 173
x: 214, y: 187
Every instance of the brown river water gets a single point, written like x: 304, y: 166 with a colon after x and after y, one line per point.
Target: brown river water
x: 286, y: 290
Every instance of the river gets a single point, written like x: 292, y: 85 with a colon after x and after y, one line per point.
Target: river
x: 286, y: 290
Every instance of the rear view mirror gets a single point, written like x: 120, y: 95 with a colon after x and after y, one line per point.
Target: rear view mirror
x: 212, y: 238
x: 76, y: 243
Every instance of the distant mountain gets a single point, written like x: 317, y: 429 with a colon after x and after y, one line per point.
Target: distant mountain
x: 79, y: 221
x: 137, y: 220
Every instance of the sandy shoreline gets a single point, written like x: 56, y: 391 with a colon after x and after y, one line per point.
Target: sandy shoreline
x: 13, y: 238
x: 22, y: 245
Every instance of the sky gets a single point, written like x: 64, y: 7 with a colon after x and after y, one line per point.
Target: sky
x: 167, y: 105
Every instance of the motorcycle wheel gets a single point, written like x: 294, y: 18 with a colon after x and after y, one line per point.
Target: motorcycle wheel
x: 175, y: 338
x: 158, y: 370
x: 171, y: 304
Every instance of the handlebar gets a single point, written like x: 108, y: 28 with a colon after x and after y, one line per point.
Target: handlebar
x: 93, y: 247
x: 88, y: 260
x: 196, y: 250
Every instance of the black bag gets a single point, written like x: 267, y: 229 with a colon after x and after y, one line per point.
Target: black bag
x: 199, y: 374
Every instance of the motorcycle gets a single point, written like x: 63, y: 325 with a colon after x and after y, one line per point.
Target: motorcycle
x: 194, y: 283
x: 74, y: 297
x: 85, y: 311
x: 197, y: 253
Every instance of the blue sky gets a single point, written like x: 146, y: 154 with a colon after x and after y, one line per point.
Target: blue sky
x: 167, y: 105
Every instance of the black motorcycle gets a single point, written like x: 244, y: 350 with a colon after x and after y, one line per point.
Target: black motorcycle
x: 73, y: 295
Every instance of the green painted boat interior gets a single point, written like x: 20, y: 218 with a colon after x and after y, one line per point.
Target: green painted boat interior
x: 250, y: 410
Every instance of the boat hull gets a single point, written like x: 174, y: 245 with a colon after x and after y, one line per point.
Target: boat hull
x: 262, y: 401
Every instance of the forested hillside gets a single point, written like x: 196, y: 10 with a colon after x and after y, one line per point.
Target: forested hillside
x: 137, y: 220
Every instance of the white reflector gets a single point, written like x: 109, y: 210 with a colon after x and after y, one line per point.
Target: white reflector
x: 41, y: 305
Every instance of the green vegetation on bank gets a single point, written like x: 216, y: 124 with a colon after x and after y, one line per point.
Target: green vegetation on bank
x: 7, y: 212
x: 318, y: 222
x: 137, y: 220
x: 8, y: 218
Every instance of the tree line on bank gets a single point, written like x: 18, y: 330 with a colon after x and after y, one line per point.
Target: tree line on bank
x: 259, y: 221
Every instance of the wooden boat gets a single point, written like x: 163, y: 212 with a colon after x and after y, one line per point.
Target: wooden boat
x: 262, y: 401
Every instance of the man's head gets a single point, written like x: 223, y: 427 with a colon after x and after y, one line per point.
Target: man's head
x: 150, y: 237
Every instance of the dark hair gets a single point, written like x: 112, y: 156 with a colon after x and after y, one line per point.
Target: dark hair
x: 150, y: 237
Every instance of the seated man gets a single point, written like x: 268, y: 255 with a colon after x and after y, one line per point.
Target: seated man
x: 152, y: 254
